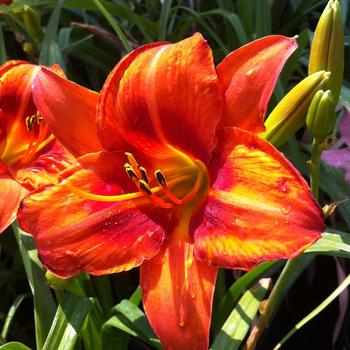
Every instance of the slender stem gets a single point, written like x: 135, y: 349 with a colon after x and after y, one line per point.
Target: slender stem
x: 316, y: 151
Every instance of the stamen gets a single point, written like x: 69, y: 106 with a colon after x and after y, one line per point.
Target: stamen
x: 130, y: 171
x: 143, y: 174
x: 160, y: 178
x: 144, y: 187
x: 189, y: 196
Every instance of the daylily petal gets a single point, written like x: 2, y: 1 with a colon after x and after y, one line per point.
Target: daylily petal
x: 16, y: 104
x: 177, y: 293
x: 259, y: 207
x: 74, y: 234
x: 46, y: 169
x: 248, y: 76
x: 69, y: 110
x: 11, y: 195
x: 165, y: 94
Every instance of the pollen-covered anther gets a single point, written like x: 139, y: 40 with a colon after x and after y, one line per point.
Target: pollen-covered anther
x: 130, y: 171
x: 160, y: 178
x: 144, y: 175
x: 145, y: 187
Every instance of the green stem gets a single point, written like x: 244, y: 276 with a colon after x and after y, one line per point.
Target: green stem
x: 316, y: 151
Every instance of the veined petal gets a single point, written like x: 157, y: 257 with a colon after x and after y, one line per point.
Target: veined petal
x: 248, y: 76
x: 259, y: 207
x: 177, y: 293
x: 69, y: 110
x: 11, y: 195
x: 74, y: 234
x: 163, y: 93
x: 16, y: 104
x: 46, y: 168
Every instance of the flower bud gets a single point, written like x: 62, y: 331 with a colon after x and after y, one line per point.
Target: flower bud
x: 55, y: 282
x: 290, y: 113
x: 320, y: 118
x: 327, y: 50
x: 32, y: 21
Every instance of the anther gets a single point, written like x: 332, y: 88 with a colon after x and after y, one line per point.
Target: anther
x: 143, y: 174
x: 30, y: 120
x: 144, y: 187
x: 131, y: 173
x: 160, y: 178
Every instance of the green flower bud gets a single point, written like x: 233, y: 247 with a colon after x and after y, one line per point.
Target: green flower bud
x: 290, y: 113
x: 56, y: 282
x: 320, y: 118
x: 32, y: 20
x: 327, y: 50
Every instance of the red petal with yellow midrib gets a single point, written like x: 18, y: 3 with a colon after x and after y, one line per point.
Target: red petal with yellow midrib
x: 167, y: 94
x: 74, y: 234
x: 259, y: 207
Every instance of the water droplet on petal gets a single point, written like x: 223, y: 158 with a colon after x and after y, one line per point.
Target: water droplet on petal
x: 276, y: 222
x: 286, y: 210
x: 250, y: 72
x: 283, y: 189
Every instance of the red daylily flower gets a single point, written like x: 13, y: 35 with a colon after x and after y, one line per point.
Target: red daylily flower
x: 29, y: 155
x: 6, y: 2
x: 174, y: 178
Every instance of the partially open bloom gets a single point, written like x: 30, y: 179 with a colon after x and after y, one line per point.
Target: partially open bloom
x: 29, y: 156
x: 174, y: 178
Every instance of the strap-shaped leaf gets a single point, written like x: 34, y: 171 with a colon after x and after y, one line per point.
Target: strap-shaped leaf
x: 238, y: 323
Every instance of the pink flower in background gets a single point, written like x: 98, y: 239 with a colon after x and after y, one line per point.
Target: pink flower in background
x: 339, y: 156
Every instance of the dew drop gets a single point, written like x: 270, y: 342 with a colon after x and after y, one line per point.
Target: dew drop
x: 276, y: 222
x: 286, y: 210
x: 250, y: 72
x: 283, y: 189
x: 181, y: 323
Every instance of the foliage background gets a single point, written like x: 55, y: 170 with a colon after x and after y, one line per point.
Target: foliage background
x: 76, y: 35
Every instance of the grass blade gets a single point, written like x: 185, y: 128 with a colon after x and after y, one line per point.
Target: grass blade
x: 70, y: 316
x: 316, y: 311
x: 114, y: 25
x: 238, y: 323
x: 44, y: 304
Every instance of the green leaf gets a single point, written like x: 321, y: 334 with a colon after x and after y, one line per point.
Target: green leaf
x: 10, y: 315
x: 131, y: 320
x: 335, y: 244
x: 263, y: 18
x: 44, y: 304
x: 164, y: 16
x: 232, y: 296
x: 3, y: 55
x: 50, y: 52
x: 70, y: 316
x: 114, y: 25
x: 14, y: 346
x: 238, y: 323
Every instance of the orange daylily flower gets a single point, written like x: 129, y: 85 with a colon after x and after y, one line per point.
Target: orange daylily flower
x: 29, y: 155
x: 176, y: 179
